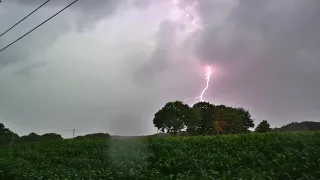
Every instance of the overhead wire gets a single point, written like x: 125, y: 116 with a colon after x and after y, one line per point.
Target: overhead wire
x: 38, y: 25
x: 24, y: 18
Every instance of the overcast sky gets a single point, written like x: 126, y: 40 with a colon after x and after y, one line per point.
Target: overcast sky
x: 109, y: 65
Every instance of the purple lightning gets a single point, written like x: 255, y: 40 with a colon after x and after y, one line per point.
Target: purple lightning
x: 189, y: 12
x: 208, y: 75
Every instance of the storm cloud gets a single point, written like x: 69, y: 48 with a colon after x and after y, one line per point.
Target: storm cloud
x: 110, y: 65
x: 271, y: 56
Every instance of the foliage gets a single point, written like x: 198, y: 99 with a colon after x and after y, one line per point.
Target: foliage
x: 30, y: 137
x: 33, y: 137
x: 299, y: 126
x: 243, y: 156
x: 206, y: 112
x: 202, y: 118
x: 194, y: 123
x: 51, y: 136
x: 173, y: 117
x: 6, y: 136
x: 263, y: 127
x: 94, y: 136
x: 246, y: 119
x: 219, y: 126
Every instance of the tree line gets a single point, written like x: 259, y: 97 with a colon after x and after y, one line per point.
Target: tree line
x: 177, y: 118
x: 8, y: 137
x: 204, y: 118
x: 299, y: 126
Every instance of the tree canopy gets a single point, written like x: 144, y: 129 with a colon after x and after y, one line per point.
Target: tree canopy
x: 299, y: 126
x: 263, y: 127
x: 6, y: 136
x: 94, y: 136
x: 173, y: 117
x: 202, y: 118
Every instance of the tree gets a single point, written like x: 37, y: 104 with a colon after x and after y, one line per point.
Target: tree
x: 299, y: 126
x: 173, y: 117
x: 94, y: 136
x: 193, y: 125
x: 263, y: 127
x: 235, y: 120
x: 159, y: 120
x: 51, y: 136
x: 32, y: 137
x: 6, y: 136
x: 205, y: 112
x: 219, y: 126
x: 3, y: 129
x: 230, y: 117
x: 246, y: 119
x: 203, y: 118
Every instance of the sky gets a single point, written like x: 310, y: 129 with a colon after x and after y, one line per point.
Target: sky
x: 109, y: 66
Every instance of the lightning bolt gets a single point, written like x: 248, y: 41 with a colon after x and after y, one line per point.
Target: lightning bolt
x: 193, y: 18
x: 208, y: 75
x: 188, y: 10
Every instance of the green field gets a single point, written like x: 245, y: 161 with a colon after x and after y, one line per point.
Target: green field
x: 253, y: 156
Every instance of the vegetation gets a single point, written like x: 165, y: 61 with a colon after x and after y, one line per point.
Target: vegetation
x: 244, y: 156
x: 32, y: 137
x: 219, y: 146
x: 7, y: 137
x: 94, y: 136
x: 263, y: 127
x: 202, y: 118
x: 299, y: 126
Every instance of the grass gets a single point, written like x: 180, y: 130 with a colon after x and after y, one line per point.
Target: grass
x: 248, y: 156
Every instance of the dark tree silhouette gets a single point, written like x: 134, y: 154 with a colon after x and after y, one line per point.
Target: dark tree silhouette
x: 202, y: 119
x: 299, y: 126
x: 263, y: 127
x: 51, y: 136
x: 246, y: 119
x: 6, y: 136
x: 173, y: 117
x: 94, y: 136
x: 32, y: 137
x: 206, y: 112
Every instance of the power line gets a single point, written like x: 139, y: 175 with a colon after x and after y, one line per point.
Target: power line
x: 38, y: 26
x: 24, y: 18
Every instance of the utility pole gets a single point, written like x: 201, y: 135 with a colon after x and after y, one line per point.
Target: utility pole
x: 73, y: 132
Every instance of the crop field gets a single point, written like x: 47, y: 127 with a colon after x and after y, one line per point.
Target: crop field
x: 253, y: 156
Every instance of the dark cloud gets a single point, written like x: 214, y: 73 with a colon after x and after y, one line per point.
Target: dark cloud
x: 142, y: 4
x: 91, y: 11
x: 163, y: 53
x: 88, y: 14
x: 31, y: 44
x: 267, y: 52
x: 85, y: 6
x: 53, y: 99
x: 270, y: 55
